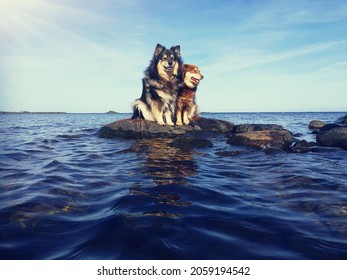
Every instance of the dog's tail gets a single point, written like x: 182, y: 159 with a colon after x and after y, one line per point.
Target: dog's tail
x: 141, y: 111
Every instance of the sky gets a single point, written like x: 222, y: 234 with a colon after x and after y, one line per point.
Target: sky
x: 256, y: 56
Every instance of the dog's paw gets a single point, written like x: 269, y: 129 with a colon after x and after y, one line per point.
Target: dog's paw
x: 161, y: 123
x: 170, y: 123
x: 179, y: 123
x: 186, y: 121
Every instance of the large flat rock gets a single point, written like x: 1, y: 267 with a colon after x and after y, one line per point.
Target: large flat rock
x: 135, y: 129
x: 279, y: 138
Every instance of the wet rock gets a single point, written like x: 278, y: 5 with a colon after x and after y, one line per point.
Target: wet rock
x: 128, y: 128
x: 316, y: 124
x: 301, y: 147
x: 342, y: 120
x: 335, y: 137
x: 263, y: 139
x: 328, y: 127
x: 213, y: 126
x: 255, y: 127
x: 191, y: 143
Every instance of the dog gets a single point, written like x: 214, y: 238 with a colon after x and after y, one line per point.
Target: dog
x: 160, y: 86
x: 187, y: 109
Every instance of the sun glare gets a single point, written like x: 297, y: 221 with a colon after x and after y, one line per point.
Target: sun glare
x: 20, y: 19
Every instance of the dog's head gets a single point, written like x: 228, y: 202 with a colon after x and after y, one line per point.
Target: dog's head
x: 167, y: 62
x: 191, y: 75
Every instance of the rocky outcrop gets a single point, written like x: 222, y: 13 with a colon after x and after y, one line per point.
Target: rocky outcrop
x: 263, y: 139
x: 261, y: 136
x: 335, y: 137
x: 138, y: 129
x: 331, y: 134
x: 270, y: 138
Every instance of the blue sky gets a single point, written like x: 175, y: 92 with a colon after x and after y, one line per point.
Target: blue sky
x: 256, y: 56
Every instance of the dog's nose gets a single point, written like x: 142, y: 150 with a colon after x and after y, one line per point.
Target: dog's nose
x: 170, y: 62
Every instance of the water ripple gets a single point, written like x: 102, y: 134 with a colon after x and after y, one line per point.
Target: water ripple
x: 67, y: 194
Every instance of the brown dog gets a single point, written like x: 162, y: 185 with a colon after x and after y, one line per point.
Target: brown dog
x: 187, y: 109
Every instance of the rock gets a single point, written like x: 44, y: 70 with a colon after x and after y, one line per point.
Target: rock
x: 191, y: 143
x: 342, y: 120
x: 335, y: 137
x: 263, y: 139
x: 328, y: 127
x: 316, y: 124
x: 128, y: 128
x: 255, y: 127
x: 213, y: 126
x: 301, y: 147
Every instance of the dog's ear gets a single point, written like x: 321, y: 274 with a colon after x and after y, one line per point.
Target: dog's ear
x: 158, y: 49
x: 177, y: 50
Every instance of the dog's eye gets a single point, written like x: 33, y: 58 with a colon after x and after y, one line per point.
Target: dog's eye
x: 164, y: 57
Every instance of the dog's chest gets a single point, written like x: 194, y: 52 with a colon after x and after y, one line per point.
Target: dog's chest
x: 187, y: 93
x: 166, y: 96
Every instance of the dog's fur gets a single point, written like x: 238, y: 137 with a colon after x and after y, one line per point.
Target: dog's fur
x: 160, y: 86
x: 187, y: 109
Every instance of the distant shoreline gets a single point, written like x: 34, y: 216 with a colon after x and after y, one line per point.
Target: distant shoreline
x: 27, y: 112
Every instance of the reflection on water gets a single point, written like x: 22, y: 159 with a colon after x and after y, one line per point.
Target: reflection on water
x: 165, y: 164
x: 167, y: 167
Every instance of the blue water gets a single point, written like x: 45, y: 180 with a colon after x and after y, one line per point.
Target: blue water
x: 65, y: 193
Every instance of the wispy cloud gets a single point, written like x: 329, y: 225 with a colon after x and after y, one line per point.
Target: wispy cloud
x: 240, y: 59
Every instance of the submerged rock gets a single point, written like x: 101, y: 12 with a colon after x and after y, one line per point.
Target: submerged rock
x: 190, y: 143
x: 301, y: 147
x: 263, y: 139
x: 255, y: 127
x: 128, y: 128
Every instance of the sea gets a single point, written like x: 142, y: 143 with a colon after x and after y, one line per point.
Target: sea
x: 66, y: 193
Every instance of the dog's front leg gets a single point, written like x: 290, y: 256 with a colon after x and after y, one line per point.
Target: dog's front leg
x: 179, y: 117
x: 168, y: 118
x: 185, y: 117
x: 158, y: 115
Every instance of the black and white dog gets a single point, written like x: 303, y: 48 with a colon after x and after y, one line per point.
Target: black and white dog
x: 162, y: 81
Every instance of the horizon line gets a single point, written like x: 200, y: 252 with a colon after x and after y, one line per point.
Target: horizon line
x: 204, y: 112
